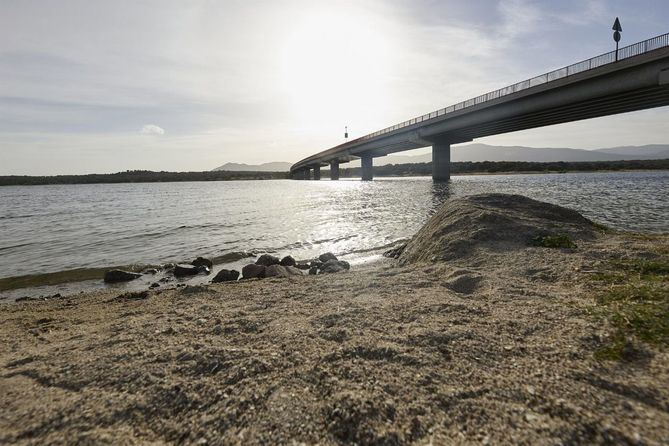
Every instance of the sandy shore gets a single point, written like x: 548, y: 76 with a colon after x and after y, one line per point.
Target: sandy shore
x: 497, y: 347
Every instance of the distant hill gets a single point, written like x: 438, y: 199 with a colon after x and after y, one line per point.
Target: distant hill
x: 276, y: 166
x: 653, y: 151
x: 484, y: 152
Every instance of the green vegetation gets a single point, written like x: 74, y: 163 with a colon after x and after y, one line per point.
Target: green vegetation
x: 140, y: 176
x: 553, y: 241
x: 635, y: 300
x: 422, y: 169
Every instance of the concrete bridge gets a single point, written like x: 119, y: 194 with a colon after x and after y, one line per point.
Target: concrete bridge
x: 634, y: 78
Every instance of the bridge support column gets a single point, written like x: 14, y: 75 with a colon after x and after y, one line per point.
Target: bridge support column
x: 367, y: 167
x: 441, y: 161
x: 334, y: 170
x: 317, y: 172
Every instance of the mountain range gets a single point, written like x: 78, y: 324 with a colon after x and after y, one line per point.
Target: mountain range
x: 484, y: 152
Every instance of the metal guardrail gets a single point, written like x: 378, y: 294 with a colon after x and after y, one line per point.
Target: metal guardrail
x: 579, y: 67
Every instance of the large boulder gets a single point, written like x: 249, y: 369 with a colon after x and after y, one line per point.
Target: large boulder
x: 288, y: 261
x: 335, y: 266
x: 267, y: 260
x: 226, y: 275
x: 327, y: 256
x: 183, y: 270
x: 253, y: 271
x: 117, y: 275
x: 464, y: 227
x: 201, y: 261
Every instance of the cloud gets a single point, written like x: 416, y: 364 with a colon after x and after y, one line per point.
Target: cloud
x: 152, y: 129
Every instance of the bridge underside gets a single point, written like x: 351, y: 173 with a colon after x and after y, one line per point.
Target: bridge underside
x: 638, y: 83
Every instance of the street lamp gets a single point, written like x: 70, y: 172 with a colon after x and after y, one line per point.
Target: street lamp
x: 346, y: 132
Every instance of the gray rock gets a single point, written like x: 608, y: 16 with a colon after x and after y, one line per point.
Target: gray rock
x: 203, y: 269
x: 117, y: 275
x: 302, y: 266
x: 316, y: 264
x: 313, y: 271
x: 226, y: 275
x: 327, y: 256
x: 154, y: 285
x: 183, y: 270
x: 282, y: 271
x: 253, y: 271
x: 288, y: 261
x: 201, y: 261
x: 335, y: 266
x: 267, y: 260
x: 294, y: 271
x: 394, y: 253
x: 276, y: 271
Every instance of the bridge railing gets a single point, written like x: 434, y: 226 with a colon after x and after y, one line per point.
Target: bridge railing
x: 579, y: 67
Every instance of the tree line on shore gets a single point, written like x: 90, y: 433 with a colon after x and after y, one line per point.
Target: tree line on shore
x: 423, y: 169
x: 140, y: 176
x: 389, y: 170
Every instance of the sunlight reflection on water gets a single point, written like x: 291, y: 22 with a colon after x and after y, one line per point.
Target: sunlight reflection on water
x: 54, y: 228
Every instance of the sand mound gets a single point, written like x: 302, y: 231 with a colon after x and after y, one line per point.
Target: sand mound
x: 492, y: 221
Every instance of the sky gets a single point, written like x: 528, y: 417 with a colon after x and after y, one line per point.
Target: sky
x: 91, y: 86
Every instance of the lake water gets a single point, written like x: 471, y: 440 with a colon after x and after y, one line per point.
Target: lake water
x: 46, y: 229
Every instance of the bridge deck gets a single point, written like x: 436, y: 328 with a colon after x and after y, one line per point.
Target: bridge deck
x: 599, y: 86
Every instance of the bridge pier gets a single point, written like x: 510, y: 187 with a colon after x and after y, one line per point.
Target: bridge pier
x: 334, y: 170
x: 317, y: 172
x: 441, y: 161
x: 367, y: 167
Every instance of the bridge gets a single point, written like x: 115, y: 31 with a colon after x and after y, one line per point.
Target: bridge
x: 636, y: 77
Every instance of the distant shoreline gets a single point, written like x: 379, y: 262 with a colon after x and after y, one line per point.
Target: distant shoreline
x: 389, y: 170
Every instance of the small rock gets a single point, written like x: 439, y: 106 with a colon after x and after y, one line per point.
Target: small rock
x: 218, y: 329
x: 267, y: 260
x: 117, y: 275
x: 203, y: 269
x: 150, y: 271
x: 288, y: 261
x: 316, y: 264
x: 183, y: 270
x: 293, y: 271
x: 154, y: 285
x: 226, y: 275
x: 302, y: 266
x: 327, y: 256
x: 313, y: 271
x: 276, y: 271
x: 201, y: 261
x: 253, y: 271
x: 164, y: 280
x: 281, y: 271
x: 335, y: 266
x: 394, y: 253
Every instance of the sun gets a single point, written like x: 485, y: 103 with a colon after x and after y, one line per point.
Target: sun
x: 335, y: 69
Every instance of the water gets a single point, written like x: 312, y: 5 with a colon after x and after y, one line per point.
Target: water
x: 46, y: 229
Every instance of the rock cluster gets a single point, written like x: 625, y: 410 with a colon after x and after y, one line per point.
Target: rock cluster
x: 265, y: 266
x: 270, y: 266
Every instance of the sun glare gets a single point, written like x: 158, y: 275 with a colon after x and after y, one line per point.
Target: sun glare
x: 335, y: 67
